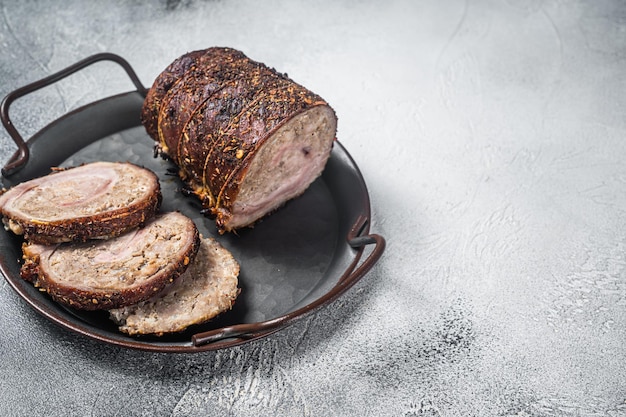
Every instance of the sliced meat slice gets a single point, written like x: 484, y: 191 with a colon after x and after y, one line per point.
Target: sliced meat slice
x: 207, y: 289
x: 96, y: 200
x: 117, y: 272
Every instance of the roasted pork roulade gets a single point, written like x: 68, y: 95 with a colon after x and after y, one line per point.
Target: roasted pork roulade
x: 245, y: 137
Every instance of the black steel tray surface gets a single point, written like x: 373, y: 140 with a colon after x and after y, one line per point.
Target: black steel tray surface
x: 293, y: 262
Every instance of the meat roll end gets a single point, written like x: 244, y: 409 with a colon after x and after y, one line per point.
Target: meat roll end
x: 283, y: 168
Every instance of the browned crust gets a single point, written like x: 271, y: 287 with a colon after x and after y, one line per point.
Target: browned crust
x: 99, y: 300
x: 162, y: 84
x: 205, y: 78
x: 29, y: 270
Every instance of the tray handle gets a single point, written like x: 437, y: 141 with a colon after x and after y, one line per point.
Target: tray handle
x: 351, y: 276
x: 20, y: 158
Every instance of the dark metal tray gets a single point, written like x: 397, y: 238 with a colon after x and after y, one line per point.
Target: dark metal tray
x: 293, y: 262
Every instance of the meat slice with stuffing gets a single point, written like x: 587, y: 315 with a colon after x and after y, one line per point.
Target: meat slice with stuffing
x: 117, y: 272
x: 206, y: 289
x: 92, y: 201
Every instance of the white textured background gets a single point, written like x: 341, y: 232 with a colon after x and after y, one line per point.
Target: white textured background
x: 492, y: 137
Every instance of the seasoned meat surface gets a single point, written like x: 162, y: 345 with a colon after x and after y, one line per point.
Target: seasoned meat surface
x: 208, y: 76
x: 96, y: 200
x: 168, y: 78
x: 245, y: 137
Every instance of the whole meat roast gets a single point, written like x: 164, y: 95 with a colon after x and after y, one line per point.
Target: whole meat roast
x: 245, y: 137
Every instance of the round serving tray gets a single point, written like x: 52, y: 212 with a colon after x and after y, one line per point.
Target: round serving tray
x: 293, y: 262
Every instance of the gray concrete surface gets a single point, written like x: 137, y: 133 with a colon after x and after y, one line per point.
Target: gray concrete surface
x: 491, y: 135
